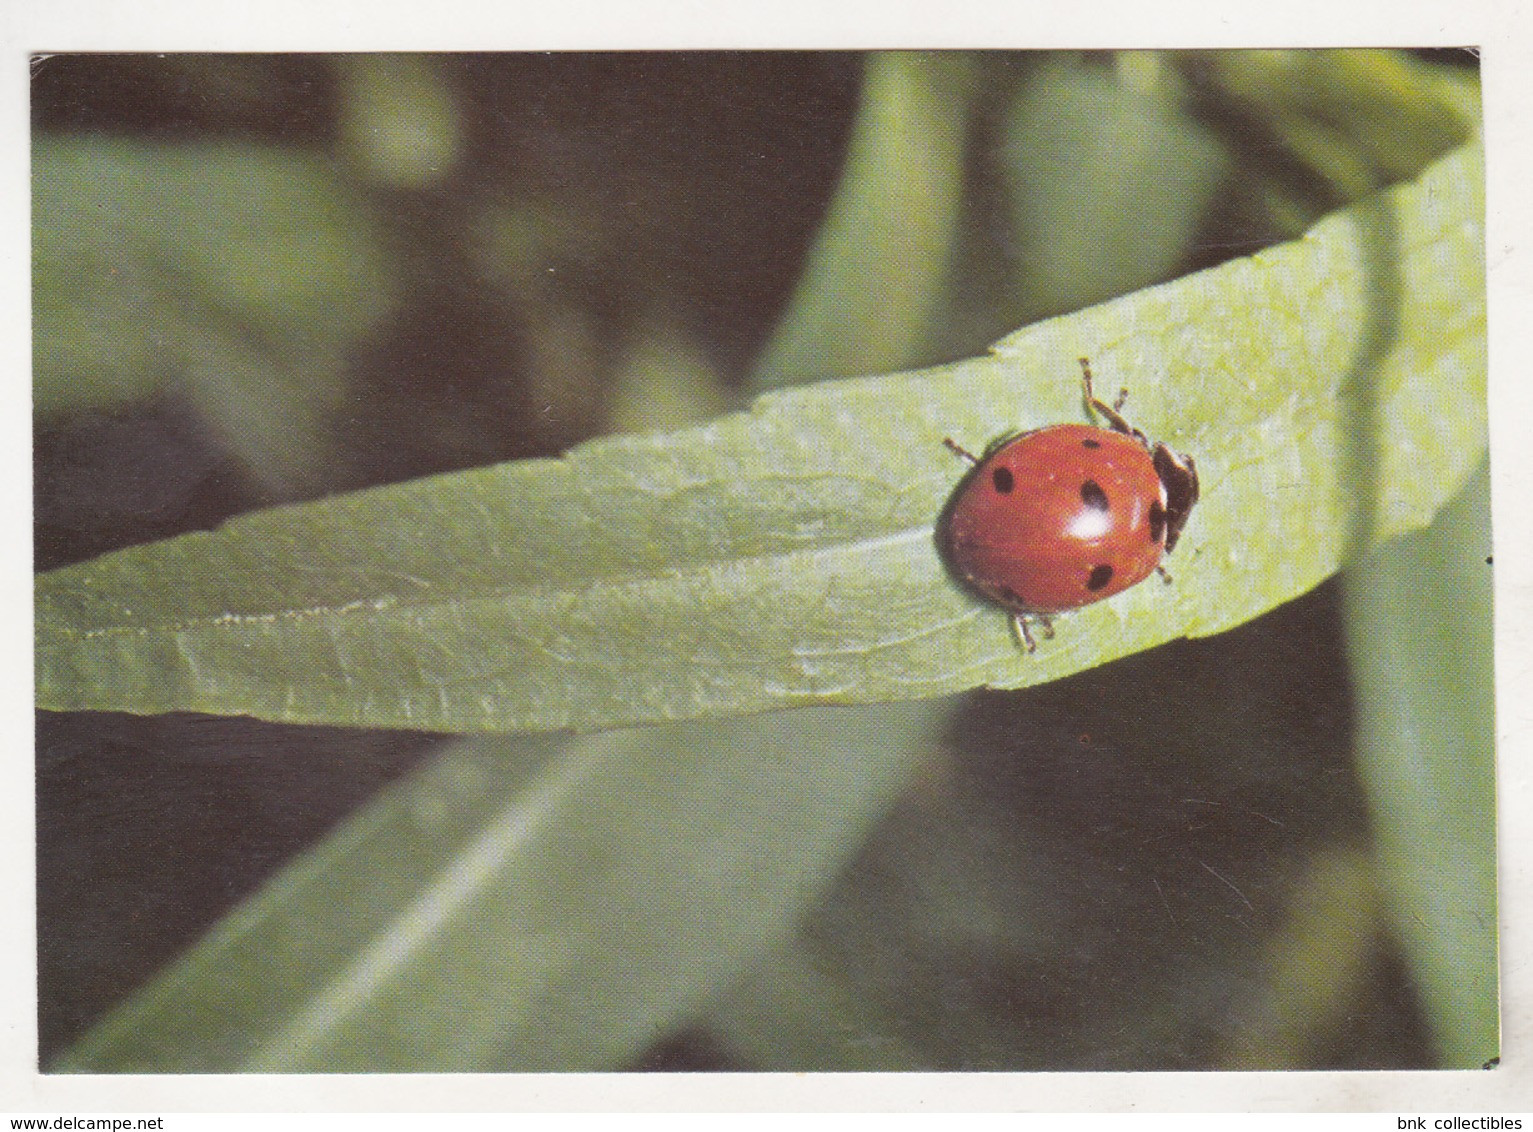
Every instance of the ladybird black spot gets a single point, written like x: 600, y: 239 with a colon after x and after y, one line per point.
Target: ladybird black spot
x: 1093, y: 496
x: 1100, y: 576
x: 1003, y: 479
x: 1091, y: 444
x: 1157, y: 521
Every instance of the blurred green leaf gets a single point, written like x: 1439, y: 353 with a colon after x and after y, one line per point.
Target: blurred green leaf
x: 1107, y: 178
x: 1421, y: 636
x: 548, y: 906
x: 1315, y: 966
x: 795, y: 1014
x: 1314, y: 129
x: 398, y: 119
x: 880, y: 265
x: 1358, y: 118
x: 666, y: 381
x: 784, y: 557
x: 236, y: 276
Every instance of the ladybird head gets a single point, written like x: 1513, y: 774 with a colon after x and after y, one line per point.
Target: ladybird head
x: 1179, y: 476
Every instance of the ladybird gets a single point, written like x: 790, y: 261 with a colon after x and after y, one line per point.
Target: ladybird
x: 1064, y: 516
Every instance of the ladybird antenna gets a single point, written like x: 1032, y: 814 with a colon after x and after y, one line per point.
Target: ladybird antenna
x: 959, y: 450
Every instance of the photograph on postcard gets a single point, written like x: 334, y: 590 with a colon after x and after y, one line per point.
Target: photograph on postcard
x: 762, y: 561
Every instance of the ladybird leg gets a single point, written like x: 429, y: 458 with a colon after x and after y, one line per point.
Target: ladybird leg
x: 1048, y: 626
x: 1109, y: 412
x: 957, y: 448
x: 1165, y: 577
x: 1024, y: 638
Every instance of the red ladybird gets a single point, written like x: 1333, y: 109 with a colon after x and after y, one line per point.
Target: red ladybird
x: 1063, y: 516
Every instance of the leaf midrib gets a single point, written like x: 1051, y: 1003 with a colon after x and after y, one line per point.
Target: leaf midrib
x: 531, y: 593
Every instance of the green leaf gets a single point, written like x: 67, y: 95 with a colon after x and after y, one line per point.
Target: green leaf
x: 1356, y: 119
x: 785, y: 557
x: 559, y: 905
x: 398, y: 120
x: 1096, y: 179
x: 722, y: 836
x: 236, y: 276
x: 880, y: 264
x: 1421, y: 636
x: 1107, y: 178
x: 797, y: 1015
